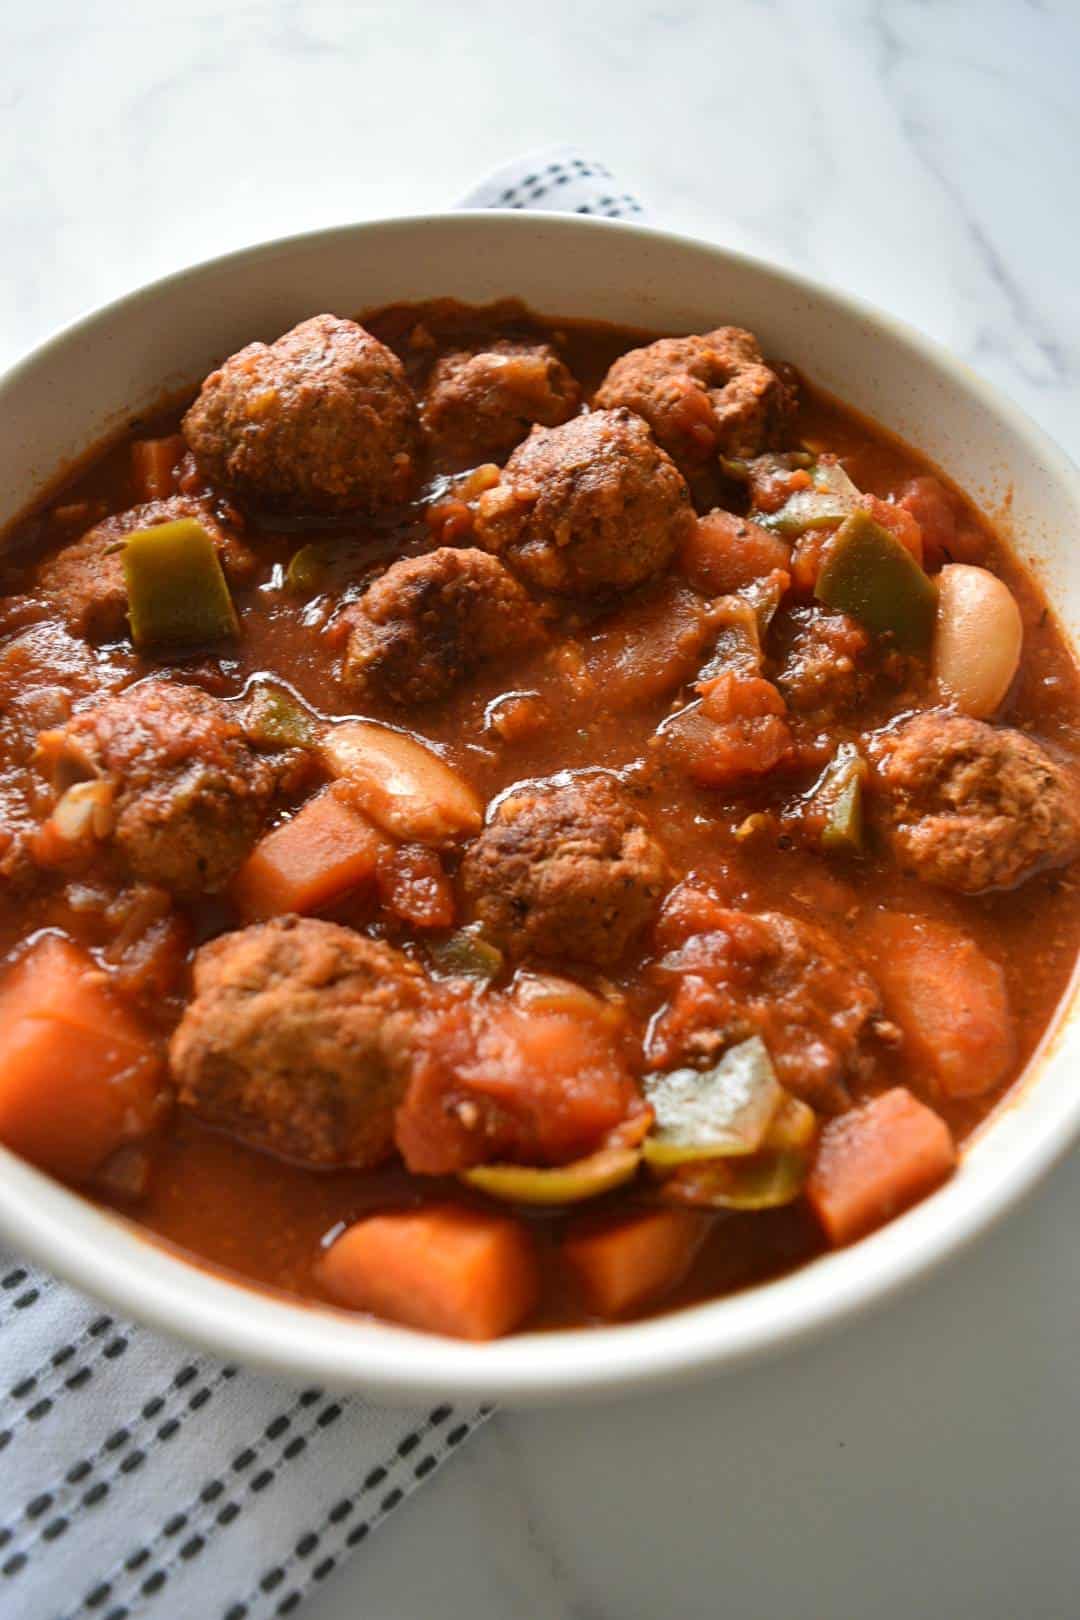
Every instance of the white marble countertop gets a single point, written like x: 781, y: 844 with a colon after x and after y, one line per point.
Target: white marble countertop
x: 921, y: 154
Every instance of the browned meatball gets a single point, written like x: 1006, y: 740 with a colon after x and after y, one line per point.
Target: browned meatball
x: 703, y: 396
x: 85, y: 580
x: 480, y: 403
x: 590, y: 506
x: 189, y: 794
x: 297, y: 1040
x: 970, y: 806
x: 770, y: 975
x: 323, y: 420
x: 430, y: 621
x: 566, y: 871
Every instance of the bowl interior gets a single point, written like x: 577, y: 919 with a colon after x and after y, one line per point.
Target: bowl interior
x: 98, y: 374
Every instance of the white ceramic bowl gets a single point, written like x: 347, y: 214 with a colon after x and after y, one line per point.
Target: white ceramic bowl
x: 87, y: 381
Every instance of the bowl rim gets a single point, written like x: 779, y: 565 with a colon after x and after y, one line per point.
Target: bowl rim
x: 532, y: 1368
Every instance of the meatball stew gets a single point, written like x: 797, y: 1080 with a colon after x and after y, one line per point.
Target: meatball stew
x: 512, y: 824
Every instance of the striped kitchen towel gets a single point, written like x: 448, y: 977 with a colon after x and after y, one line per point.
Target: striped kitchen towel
x: 138, y: 1478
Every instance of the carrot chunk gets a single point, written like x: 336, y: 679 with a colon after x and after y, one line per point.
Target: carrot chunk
x: 875, y: 1162
x: 949, y: 1000
x: 723, y: 553
x: 153, y: 466
x: 79, y: 1077
x: 623, y: 1263
x: 444, y: 1269
x: 327, y: 850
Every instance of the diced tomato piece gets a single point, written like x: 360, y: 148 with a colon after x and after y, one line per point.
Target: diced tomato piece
x: 950, y: 1001
x: 722, y: 553
x: 737, y: 731
x: 491, y: 1081
x: 948, y: 535
x: 444, y: 1269
x: 621, y: 1263
x: 899, y: 521
x: 413, y: 885
x: 79, y: 1076
x: 327, y: 850
x: 740, y: 697
x: 875, y: 1162
x: 807, y: 558
x: 688, y: 909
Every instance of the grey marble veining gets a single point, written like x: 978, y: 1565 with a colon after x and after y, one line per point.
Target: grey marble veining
x: 922, y: 153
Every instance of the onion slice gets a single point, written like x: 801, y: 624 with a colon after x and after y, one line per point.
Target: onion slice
x: 714, y: 1113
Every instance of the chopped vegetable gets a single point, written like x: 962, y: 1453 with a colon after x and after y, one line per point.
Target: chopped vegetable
x: 560, y: 1184
x: 737, y: 647
x: 79, y: 1076
x: 651, y: 648
x: 869, y: 574
x: 153, y: 466
x: 775, y: 475
x: 723, y: 553
x: 308, y: 567
x: 713, y: 1113
x: 551, y: 993
x: 465, y: 1272
x: 950, y: 1001
x: 876, y: 1161
x: 763, y: 1181
x: 414, y: 887
x: 829, y: 499
x: 737, y: 731
x: 630, y: 1260
x: 794, y: 1125
x: 899, y: 521
x: 177, y: 595
x: 838, y: 800
x: 327, y: 850
x: 978, y: 639
x: 404, y: 787
x: 83, y: 814
x: 466, y: 955
x: 496, y: 1083
x: 274, y: 718
x: 765, y: 595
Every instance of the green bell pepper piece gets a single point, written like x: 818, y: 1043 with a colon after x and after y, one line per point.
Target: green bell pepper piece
x: 275, y: 719
x: 840, y: 794
x: 465, y: 955
x: 177, y: 595
x: 869, y: 574
x: 308, y: 567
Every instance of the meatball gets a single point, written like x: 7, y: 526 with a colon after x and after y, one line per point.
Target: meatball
x: 770, y: 975
x: 189, y: 794
x: 970, y: 806
x: 590, y: 506
x: 297, y: 1040
x: 566, y: 871
x: 480, y: 403
x: 704, y: 396
x: 430, y: 621
x: 323, y: 420
x: 85, y: 580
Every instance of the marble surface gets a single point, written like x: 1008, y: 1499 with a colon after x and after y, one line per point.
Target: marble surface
x: 922, y: 154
